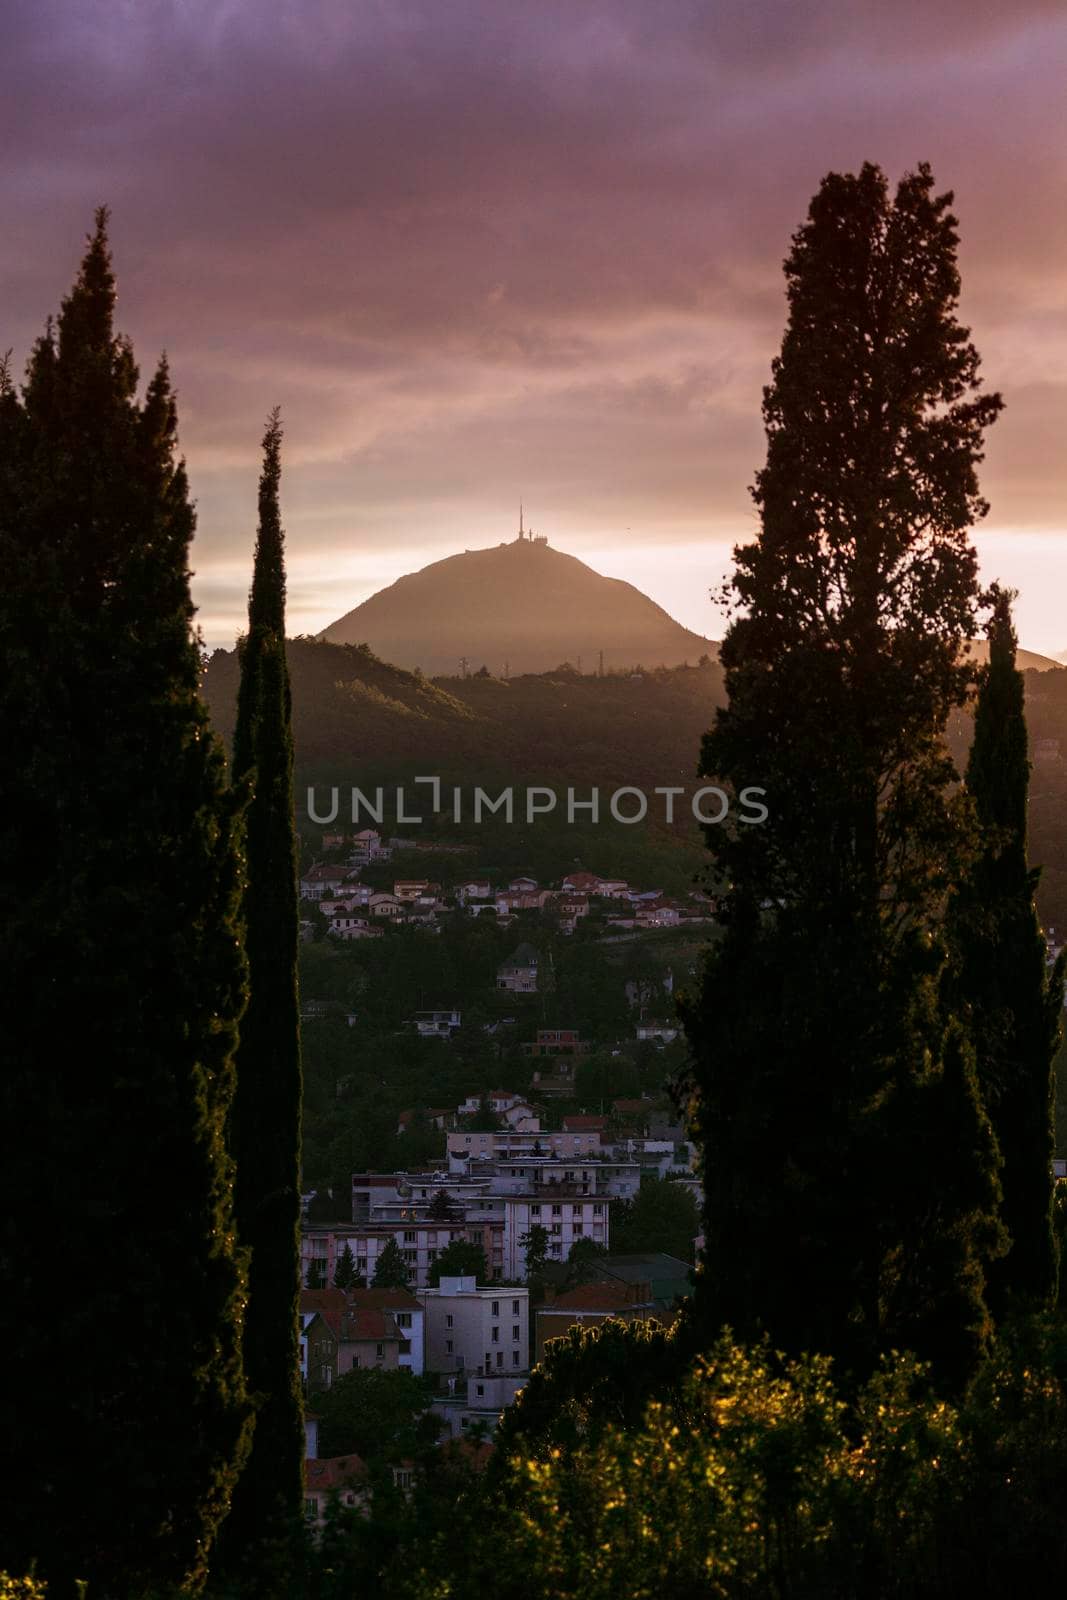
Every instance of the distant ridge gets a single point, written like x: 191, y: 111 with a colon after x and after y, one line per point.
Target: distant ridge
x: 520, y: 606
x: 1025, y: 660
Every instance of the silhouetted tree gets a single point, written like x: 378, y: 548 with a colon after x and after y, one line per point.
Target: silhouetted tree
x: 816, y: 1017
x: 346, y: 1274
x: 264, y: 1130
x: 390, y: 1270
x: 461, y: 1258
x: 119, y: 884
x: 1014, y: 1003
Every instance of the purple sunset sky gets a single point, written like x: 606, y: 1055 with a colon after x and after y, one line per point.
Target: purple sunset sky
x: 479, y: 249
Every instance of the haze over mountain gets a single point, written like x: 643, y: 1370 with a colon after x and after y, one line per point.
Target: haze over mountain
x: 522, y: 606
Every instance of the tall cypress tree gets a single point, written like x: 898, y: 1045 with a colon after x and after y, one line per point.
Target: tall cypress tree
x: 265, y: 1123
x: 126, y: 1418
x: 820, y: 1055
x: 1001, y: 981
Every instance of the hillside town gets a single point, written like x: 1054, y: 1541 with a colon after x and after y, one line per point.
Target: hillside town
x: 356, y: 910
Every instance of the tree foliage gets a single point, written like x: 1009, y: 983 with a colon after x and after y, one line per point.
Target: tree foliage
x: 817, y: 1030
x: 264, y: 1129
x: 346, y: 1274
x: 661, y: 1216
x: 461, y: 1258
x: 119, y: 879
x: 390, y: 1269
x: 370, y: 1412
x: 1000, y: 982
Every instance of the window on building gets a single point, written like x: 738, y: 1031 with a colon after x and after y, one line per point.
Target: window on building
x: 450, y: 1320
x: 448, y: 1347
x: 479, y: 1388
x: 500, y: 1358
x: 379, y: 1350
x: 515, y: 1333
x: 514, y: 1308
x: 577, y: 1229
x: 557, y: 1227
x: 403, y: 1319
x: 410, y: 1235
x: 311, y: 1508
x: 557, y: 1211
x: 405, y: 1347
x: 598, y: 1211
x: 495, y: 1308
x: 355, y: 1361
x: 496, y: 1335
x: 514, y: 1358
x: 535, y: 1211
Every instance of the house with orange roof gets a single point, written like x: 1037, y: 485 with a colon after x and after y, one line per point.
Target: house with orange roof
x: 342, y: 1476
x: 589, y: 1305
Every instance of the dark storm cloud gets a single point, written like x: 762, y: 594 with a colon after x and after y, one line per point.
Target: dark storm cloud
x: 478, y: 247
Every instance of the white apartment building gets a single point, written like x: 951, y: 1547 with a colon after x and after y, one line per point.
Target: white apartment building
x: 564, y: 1220
x: 485, y: 1332
x: 419, y: 1242
x: 463, y: 1147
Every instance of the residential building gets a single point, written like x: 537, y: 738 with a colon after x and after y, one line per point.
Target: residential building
x: 668, y: 1278
x: 343, y: 1476
x: 474, y: 889
x: 518, y: 1143
x: 588, y: 1306
x: 349, y: 927
x: 367, y: 846
x: 586, y: 1124
x: 556, y: 1042
x: 565, y: 1218
x: 413, y: 888
x: 504, y: 1103
x: 322, y: 879
x: 437, y: 1024
x: 477, y: 1330
x: 403, y: 1316
x: 519, y: 972
x: 657, y: 1028
x: 340, y: 1341
x: 471, y: 1402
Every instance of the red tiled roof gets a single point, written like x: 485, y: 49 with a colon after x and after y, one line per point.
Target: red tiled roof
x: 593, y: 1297
x: 351, y: 1323
x: 323, y: 1299
x: 584, y: 1124
x: 385, y: 1299
x: 331, y: 1472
